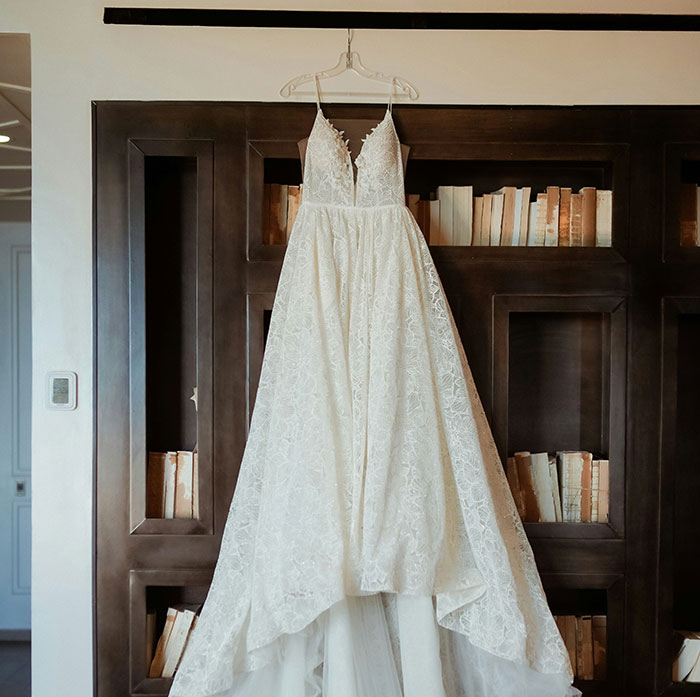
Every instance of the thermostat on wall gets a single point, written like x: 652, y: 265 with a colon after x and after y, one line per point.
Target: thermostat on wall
x: 62, y: 390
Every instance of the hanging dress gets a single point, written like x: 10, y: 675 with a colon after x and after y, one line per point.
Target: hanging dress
x: 372, y: 547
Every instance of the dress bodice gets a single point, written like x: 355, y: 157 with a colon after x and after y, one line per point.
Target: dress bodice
x: 328, y: 167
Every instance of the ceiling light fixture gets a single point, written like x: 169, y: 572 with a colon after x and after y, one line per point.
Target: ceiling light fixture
x: 4, y: 139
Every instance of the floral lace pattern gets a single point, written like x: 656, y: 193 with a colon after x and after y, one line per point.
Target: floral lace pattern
x: 369, y: 466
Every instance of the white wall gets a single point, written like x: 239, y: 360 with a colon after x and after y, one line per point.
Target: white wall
x: 76, y: 59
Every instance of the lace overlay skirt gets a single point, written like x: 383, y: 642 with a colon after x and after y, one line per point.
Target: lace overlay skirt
x: 372, y: 548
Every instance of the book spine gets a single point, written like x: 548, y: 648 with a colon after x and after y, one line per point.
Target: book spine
x: 576, y: 219
x: 527, y: 486
x: 195, y: 485
x: 445, y: 196
x: 551, y: 231
x: 514, y: 483
x: 587, y: 653
x: 603, y: 222
x: 156, y: 668
x: 525, y: 217
x: 554, y: 478
x: 462, y: 215
x: 517, y: 217
x: 293, y: 202
x: 595, y: 484
x: 541, y: 225
x: 155, y: 485
x: 434, y: 223
x: 564, y: 216
x: 586, y: 462
x: 599, y: 632
x: 603, y: 491
x: 508, y: 216
x: 478, y: 209
x: 170, y: 484
x: 183, y: 486
x: 588, y: 215
x: 486, y: 219
x: 543, y: 487
x: 496, y: 219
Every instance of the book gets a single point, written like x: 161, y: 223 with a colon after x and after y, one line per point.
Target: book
x: 507, y: 194
x: 603, y: 491
x: 478, y: 208
x: 603, y: 220
x: 588, y: 216
x: 275, y: 214
x: 434, y: 231
x: 532, y: 222
x: 514, y: 483
x: 525, y: 216
x: 156, y: 668
x: 293, y: 202
x: 497, y: 201
x: 170, y: 484
x: 686, y: 666
x: 551, y: 227
x: 570, y: 463
x: 599, y: 631
x: 517, y: 217
x: 688, y: 213
x: 150, y: 636
x: 423, y: 218
x: 595, y: 489
x: 584, y: 647
x: 445, y: 197
x: 576, y: 220
x: 485, y: 236
x: 155, y: 485
x: 523, y: 461
x: 541, y: 224
x: 187, y: 639
x: 543, y: 487
x: 195, y: 484
x: 586, y: 460
x: 176, y: 641
x: 554, y: 479
x: 462, y: 215
x: 183, y: 485
x: 567, y: 629
x: 564, y: 216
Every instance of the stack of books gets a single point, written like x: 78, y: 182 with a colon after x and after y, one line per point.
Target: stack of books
x: 585, y: 640
x: 507, y: 217
x: 569, y: 487
x: 686, y: 667
x: 280, y: 207
x: 172, y: 489
x: 179, y: 623
x: 690, y: 214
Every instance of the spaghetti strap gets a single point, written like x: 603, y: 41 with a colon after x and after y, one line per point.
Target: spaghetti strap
x: 318, y: 92
x: 391, y: 93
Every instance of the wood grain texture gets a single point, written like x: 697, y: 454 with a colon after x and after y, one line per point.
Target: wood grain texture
x: 615, y: 315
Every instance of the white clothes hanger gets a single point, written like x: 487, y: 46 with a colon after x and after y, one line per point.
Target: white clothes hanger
x: 350, y: 60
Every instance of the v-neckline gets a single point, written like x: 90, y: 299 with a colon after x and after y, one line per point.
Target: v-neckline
x: 339, y: 135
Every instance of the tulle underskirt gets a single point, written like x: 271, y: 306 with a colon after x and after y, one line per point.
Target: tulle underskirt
x: 389, y: 645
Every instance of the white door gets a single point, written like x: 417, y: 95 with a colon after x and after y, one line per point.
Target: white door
x: 15, y: 425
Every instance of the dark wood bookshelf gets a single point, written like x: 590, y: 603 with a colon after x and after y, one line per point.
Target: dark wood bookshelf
x: 571, y: 348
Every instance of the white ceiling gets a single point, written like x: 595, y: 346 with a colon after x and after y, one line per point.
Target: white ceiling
x: 15, y: 121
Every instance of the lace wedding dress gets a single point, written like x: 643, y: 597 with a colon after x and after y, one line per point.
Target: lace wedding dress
x: 372, y: 547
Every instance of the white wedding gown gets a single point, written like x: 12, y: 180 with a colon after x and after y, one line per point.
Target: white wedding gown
x: 372, y: 547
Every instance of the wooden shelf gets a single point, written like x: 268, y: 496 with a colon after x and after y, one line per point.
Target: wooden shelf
x: 179, y: 195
